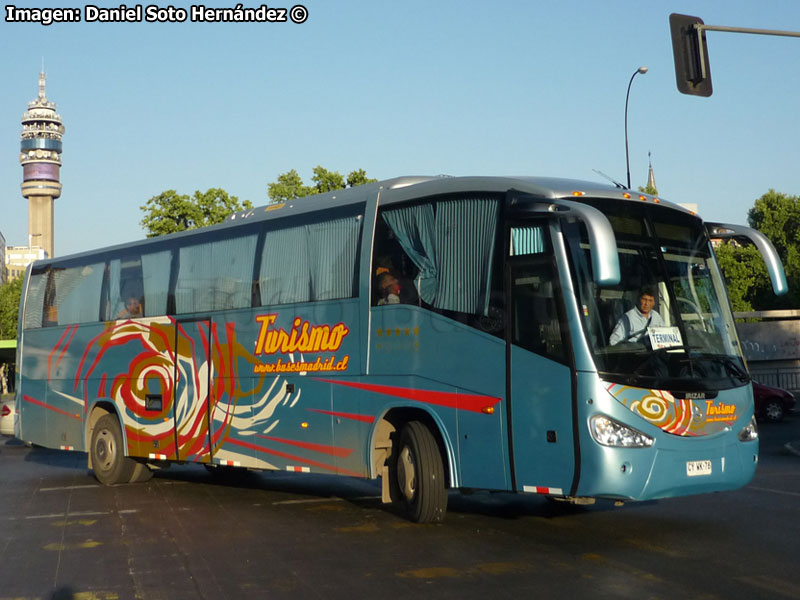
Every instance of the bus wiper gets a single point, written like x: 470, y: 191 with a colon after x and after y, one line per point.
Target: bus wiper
x: 732, y: 368
x: 660, y: 353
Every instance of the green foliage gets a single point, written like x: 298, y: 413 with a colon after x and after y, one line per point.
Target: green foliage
x: 358, y: 177
x: 327, y: 181
x: 9, y: 308
x: 744, y: 271
x: 649, y: 189
x: 290, y: 185
x: 777, y: 216
x: 169, y: 212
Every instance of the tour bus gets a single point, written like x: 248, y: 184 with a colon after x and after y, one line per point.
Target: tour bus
x: 438, y: 333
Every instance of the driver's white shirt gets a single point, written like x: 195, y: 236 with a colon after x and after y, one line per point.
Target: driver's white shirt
x: 632, y: 326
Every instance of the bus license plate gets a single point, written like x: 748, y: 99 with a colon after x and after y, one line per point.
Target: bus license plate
x: 696, y: 468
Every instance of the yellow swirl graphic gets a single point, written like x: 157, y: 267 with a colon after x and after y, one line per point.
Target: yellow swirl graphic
x: 653, y: 408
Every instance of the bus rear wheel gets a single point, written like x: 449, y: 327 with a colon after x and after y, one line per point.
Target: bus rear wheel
x: 419, y: 474
x: 109, y: 462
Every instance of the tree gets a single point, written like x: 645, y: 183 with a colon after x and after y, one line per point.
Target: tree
x: 327, y: 181
x: 9, y: 308
x: 290, y: 186
x: 358, y: 177
x: 169, y: 211
x: 744, y: 271
x: 777, y: 216
x: 649, y: 189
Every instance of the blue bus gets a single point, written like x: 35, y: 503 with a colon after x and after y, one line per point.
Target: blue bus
x: 534, y: 335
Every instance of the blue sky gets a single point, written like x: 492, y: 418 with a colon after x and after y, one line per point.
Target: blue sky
x: 399, y: 88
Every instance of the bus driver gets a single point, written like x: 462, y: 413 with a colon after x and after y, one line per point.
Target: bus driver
x: 632, y: 326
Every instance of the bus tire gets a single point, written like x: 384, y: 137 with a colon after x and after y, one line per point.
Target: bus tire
x: 109, y: 462
x: 419, y: 474
x: 141, y: 473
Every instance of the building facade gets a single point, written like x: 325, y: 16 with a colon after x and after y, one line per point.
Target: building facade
x: 17, y: 258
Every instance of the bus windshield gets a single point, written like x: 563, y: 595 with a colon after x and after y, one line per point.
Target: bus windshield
x: 668, y: 324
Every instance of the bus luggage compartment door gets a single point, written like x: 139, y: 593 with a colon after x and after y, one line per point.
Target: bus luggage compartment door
x: 192, y: 389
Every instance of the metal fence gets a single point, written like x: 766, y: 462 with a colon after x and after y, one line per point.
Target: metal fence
x: 788, y: 379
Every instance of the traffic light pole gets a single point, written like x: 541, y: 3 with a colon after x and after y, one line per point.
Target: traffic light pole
x: 748, y: 30
x: 701, y: 28
x: 692, y: 67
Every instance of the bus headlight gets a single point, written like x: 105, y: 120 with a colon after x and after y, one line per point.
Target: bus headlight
x: 609, y: 432
x: 749, y: 433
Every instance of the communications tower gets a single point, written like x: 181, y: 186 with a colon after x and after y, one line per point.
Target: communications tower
x: 40, y: 156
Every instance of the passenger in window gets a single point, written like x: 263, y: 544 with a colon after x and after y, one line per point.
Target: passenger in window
x: 134, y: 308
x: 632, y: 326
x: 388, y: 288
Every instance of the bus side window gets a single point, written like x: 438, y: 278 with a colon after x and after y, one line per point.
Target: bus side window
x: 125, y: 288
x: 537, y: 325
x: 73, y: 295
x: 448, y: 247
x: 50, y: 310
x: 34, y: 302
x: 156, y: 268
x: 310, y: 262
x: 216, y: 274
x: 392, y: 263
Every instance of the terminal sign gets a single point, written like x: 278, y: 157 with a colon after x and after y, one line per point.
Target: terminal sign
x: 664, y: 337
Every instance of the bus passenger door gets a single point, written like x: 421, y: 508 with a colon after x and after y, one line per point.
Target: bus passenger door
x: 193, y: 378
x: 539, y: 376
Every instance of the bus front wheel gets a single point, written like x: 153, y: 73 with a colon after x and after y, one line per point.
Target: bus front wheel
x: 141, y: 473
x: 419, y: 474
x: 109, y: 462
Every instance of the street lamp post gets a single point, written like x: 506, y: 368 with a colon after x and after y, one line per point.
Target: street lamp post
x: 641, y: 70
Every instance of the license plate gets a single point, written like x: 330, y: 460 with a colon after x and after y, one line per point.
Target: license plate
x: 696, y: 468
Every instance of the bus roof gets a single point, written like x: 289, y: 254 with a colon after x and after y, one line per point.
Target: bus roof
x: 403, y: 189
x: 398, y: 190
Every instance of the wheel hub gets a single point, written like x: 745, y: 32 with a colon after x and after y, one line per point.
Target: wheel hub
x: 406, y: 473
x: 104, y: 449
x: 774, y: 411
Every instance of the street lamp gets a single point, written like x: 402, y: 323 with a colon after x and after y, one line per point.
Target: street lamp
x: 641, y: 70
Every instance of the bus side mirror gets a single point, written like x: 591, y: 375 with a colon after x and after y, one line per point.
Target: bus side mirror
x: 602, y: 241
x: 725, y: 231
x: 690, y: 50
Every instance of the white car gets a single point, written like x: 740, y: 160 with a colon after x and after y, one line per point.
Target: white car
x: 7, y: 415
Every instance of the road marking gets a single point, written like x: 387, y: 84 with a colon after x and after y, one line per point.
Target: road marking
x: 783, y: 588
x: 783, y: 492
x: 498, y: 569
x: 431, y: 573
x: 65, y: 515
x: 72, y: 515
x: 69, y: 487
x: 365, y: 528
x: 66, y: 523
x: 620, y: 566
x: 323, y: 500
x: 79, y: 546
x: 308, y: 501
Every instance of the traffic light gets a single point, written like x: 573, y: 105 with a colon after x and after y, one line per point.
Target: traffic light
x: 689, y: 47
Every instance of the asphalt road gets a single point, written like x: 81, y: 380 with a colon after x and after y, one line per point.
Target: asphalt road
x: 188, y: 534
